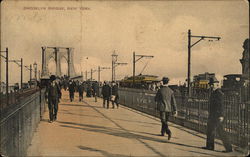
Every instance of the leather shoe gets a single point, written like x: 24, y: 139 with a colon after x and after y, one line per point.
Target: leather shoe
x: 169, y: 136
x: 208, y: 148
x: 228, y: 151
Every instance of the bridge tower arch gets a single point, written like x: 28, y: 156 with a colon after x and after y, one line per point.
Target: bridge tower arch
x: 57, y: 54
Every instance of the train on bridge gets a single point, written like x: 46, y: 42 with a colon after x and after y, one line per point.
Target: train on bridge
x: 141, y: 81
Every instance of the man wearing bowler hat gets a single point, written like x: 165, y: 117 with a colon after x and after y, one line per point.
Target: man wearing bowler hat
x: 166, y: 104
x: 54, y: 92
x: 216, y: 118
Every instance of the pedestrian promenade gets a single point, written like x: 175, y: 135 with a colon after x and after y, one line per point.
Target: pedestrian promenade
x: 88, y: 129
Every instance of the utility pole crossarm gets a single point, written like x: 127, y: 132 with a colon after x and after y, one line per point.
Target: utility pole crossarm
x: 3, y: 56
x: 211, y: 37
x: 202, y: 38
x: 116, y: 64
x: 27, y: 67
x: 16, y: 61
x: 142, y: 56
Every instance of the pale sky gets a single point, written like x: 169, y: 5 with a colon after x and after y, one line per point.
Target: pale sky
x: 156, y: 28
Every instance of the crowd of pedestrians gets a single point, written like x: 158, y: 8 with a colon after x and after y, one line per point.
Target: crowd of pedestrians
x: 165, y: 104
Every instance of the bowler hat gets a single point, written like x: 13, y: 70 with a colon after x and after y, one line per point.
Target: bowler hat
x: 165, y: 79
x: 52, y: 77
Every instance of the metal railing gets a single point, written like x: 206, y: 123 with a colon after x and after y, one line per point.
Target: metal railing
x: 19, y: 121
x: 193, y: 112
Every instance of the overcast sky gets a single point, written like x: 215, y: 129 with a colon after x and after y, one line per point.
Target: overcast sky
x: 156, y: 28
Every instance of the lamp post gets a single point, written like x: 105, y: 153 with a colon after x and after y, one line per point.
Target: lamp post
x: 115, y: 64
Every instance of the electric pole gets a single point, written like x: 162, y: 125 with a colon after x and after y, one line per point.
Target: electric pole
x: 99, y: 72
x: 114, y: 59
x: 189, y: 54
x: 21, y: 66
x: 6, y: 57
x: 135, y: 60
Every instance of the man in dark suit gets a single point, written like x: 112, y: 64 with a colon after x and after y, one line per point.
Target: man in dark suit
x: 71, y: 90
x: 80, y: 90
x: 115, y: 96
x: 54, y: 92
x: 166, y: 104
x: 215, y: 119
x: 106, y: 93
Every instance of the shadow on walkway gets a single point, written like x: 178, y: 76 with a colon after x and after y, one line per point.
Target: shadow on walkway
x: 81, y: 105
x: 104, y: 153
x: 120, y: 133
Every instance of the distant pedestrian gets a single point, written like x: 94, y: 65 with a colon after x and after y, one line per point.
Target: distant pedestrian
x: 80, y: 91
x: 89, y: 89
x: 115, y: 96
x: 106, y: 93
x: 95, y: 89
x: 216, y: 118
x: 71, y: 90
x: 166, y: 104
x: 53, y: 91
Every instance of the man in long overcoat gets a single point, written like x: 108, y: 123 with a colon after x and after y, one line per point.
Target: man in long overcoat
x: 54, y: 92
x: 71, y: 90
x: 166, y: 104
x: 106, y: 93
x: 216, y: 118
x: 80, y: 91
x: 115, y: 96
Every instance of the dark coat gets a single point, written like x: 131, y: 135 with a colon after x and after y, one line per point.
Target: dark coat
x: 216, y: 101
x: 72, y: 88
x: 95, y: 87
x: 165, y: 100
x: 80, y: 88
x: 106, y: 91
x: 53, y: 90
x: 115, y: 90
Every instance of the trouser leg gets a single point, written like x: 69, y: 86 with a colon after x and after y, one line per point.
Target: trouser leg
x: 107, y: 102
x: 55, y: 109
x: 163, y: 129
x: 211, y: 126
x: 50, y: 105
x: 116, y: 101
x: 113, y: 103
x: 103, y: 102
x: 224, y: 137
x: 166, y: 123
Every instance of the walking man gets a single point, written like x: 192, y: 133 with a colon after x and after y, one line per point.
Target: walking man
x: 106, y: 93
x: 80, y: 90
x: 216, y: 118
x: 71, y: 90
x: 166, y: 105
x: 115, y: 96
x: 95, y: 88
x: 54, y: 92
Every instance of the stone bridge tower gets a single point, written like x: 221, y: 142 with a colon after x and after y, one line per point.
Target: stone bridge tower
x: 57, y: 54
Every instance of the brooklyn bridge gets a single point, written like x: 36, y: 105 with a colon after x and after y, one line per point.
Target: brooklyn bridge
x: 124, y: 78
